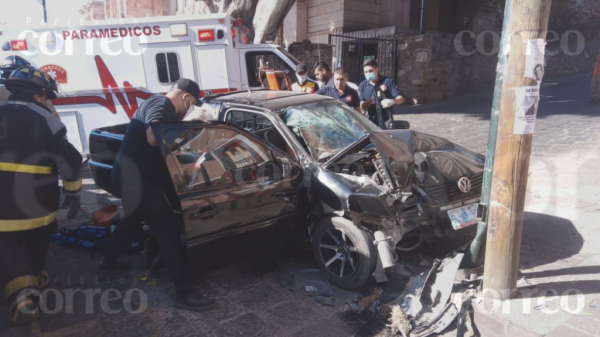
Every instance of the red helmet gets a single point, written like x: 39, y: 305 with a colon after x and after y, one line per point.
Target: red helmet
x: 32, y: 81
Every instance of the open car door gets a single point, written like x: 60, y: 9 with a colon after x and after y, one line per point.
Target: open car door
x: 228, y: 180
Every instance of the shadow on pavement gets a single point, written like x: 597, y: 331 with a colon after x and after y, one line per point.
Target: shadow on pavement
x: 547, y: 239
x: 559, y: 95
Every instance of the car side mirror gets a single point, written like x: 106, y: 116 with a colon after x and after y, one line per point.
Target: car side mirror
x: 398, y: 125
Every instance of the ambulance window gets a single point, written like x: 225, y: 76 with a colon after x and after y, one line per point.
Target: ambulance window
x: 259, y: 62
x: 167, y: 66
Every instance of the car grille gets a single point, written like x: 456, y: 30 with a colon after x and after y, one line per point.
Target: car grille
x: 451, y: 190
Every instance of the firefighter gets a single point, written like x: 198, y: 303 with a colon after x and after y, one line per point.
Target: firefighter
x: 34, y: 152
x: 8, y: 66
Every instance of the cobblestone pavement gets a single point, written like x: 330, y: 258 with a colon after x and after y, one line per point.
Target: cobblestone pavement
x: 276, y: 304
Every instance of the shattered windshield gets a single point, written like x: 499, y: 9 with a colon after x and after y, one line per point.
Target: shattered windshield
x: 326, y: 127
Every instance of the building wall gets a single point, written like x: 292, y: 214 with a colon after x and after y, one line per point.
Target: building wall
x: 336, y: 16
x: 295, y: 25
x: 324, y: 17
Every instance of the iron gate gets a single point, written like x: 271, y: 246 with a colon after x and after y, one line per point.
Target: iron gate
x: 351, y: 49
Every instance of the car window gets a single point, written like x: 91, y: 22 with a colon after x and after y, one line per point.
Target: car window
x: 326, y: 127
x: 260, y: 126
x: 213, y: 157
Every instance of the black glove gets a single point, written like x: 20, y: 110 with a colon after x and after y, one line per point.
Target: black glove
x: 73, y: 203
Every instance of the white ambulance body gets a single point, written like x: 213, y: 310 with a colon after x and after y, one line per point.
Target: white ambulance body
x: 107, y: 70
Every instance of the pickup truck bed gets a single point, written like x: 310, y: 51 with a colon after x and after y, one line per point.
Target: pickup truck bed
x: 104, y: 146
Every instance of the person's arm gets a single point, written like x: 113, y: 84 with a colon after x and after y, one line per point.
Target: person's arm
x: 150, y: 137
x: 355, y: 101
x: 364, y: 102
x: 156, y: 114
x: 395, y: 91
x: 68, y: 162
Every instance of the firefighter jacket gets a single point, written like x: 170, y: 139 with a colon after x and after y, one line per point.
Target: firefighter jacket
x: 34, y: 152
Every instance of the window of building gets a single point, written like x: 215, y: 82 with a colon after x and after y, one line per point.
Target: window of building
x: 167, y: 67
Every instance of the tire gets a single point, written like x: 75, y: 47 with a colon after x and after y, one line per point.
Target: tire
x: 359, y: 257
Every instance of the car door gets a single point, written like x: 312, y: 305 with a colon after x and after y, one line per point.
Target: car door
x: 228, y: 180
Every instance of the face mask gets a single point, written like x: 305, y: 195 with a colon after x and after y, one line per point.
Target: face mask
x: 371, y: 76
x: 302, y: 78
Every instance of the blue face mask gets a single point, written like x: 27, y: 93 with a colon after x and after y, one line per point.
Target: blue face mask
x: 371, y: 76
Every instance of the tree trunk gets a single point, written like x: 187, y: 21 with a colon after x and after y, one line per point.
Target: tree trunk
x: 269, y: 16
x: 244, y: 9
x: 262, y: 17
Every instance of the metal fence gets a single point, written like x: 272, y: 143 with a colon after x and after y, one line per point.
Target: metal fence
x: 351, y: 49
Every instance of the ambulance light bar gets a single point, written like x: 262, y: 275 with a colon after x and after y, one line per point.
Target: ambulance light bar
x: 18, y: 45
x: 179, y: 29
x: 206, y: 35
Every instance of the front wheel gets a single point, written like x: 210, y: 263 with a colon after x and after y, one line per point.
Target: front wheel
x: 344, y: 252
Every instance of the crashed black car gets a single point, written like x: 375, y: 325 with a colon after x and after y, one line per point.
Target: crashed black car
x: 356, y: 192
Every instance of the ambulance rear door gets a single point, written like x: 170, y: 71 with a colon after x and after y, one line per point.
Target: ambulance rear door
x: 165, y: 63
x: 213, y: 62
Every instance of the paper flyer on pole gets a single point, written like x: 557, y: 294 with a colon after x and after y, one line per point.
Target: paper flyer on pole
x: 526, y: 100
x: 534, y: 63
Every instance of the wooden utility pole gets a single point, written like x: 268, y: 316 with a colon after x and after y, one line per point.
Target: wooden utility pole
x: 526, y: 23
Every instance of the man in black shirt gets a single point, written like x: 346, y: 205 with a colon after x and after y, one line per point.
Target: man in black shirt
x: 141, y: 177
x: 378, y: 94
x: 340, y: 90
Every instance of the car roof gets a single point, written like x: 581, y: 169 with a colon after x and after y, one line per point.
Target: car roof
x: 268, y: 99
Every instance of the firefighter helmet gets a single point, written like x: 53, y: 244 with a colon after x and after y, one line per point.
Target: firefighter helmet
x: 10, y: 64
x: 32, y: 81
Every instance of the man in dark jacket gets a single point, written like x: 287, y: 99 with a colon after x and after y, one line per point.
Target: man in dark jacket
x: 143, y: 181
x: 34, y: 152
x: 378, y: 94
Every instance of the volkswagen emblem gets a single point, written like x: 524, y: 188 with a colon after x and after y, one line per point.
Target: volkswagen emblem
x: 464, y: 184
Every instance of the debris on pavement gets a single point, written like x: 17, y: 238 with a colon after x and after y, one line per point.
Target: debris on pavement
x: 409, y: 300
x: 424, y: 308
x: 399, y: 321
x: 366, y: 302
x: 523, y: 282
x: 329, y: 301
x: 352, y: 305
x: 311, y: 289
x: 439, y: 323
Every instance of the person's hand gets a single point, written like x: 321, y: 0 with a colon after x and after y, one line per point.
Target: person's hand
x: 386, y: 103
x: 73, y: 204
x: 364, y: 105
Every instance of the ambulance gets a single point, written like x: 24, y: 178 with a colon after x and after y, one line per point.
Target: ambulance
x: 106, y: 69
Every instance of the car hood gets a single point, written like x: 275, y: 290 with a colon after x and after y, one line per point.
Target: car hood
x: 434, y: 159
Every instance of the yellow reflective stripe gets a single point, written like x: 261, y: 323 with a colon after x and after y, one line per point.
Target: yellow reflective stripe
x: 25, y: 224
x: 23, y: 168
x: 20, y: 283
x: 71, y: 185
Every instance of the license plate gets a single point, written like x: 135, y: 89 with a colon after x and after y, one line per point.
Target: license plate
x: 463, y: 216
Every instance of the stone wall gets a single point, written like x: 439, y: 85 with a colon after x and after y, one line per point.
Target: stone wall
x: 309, y: 53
